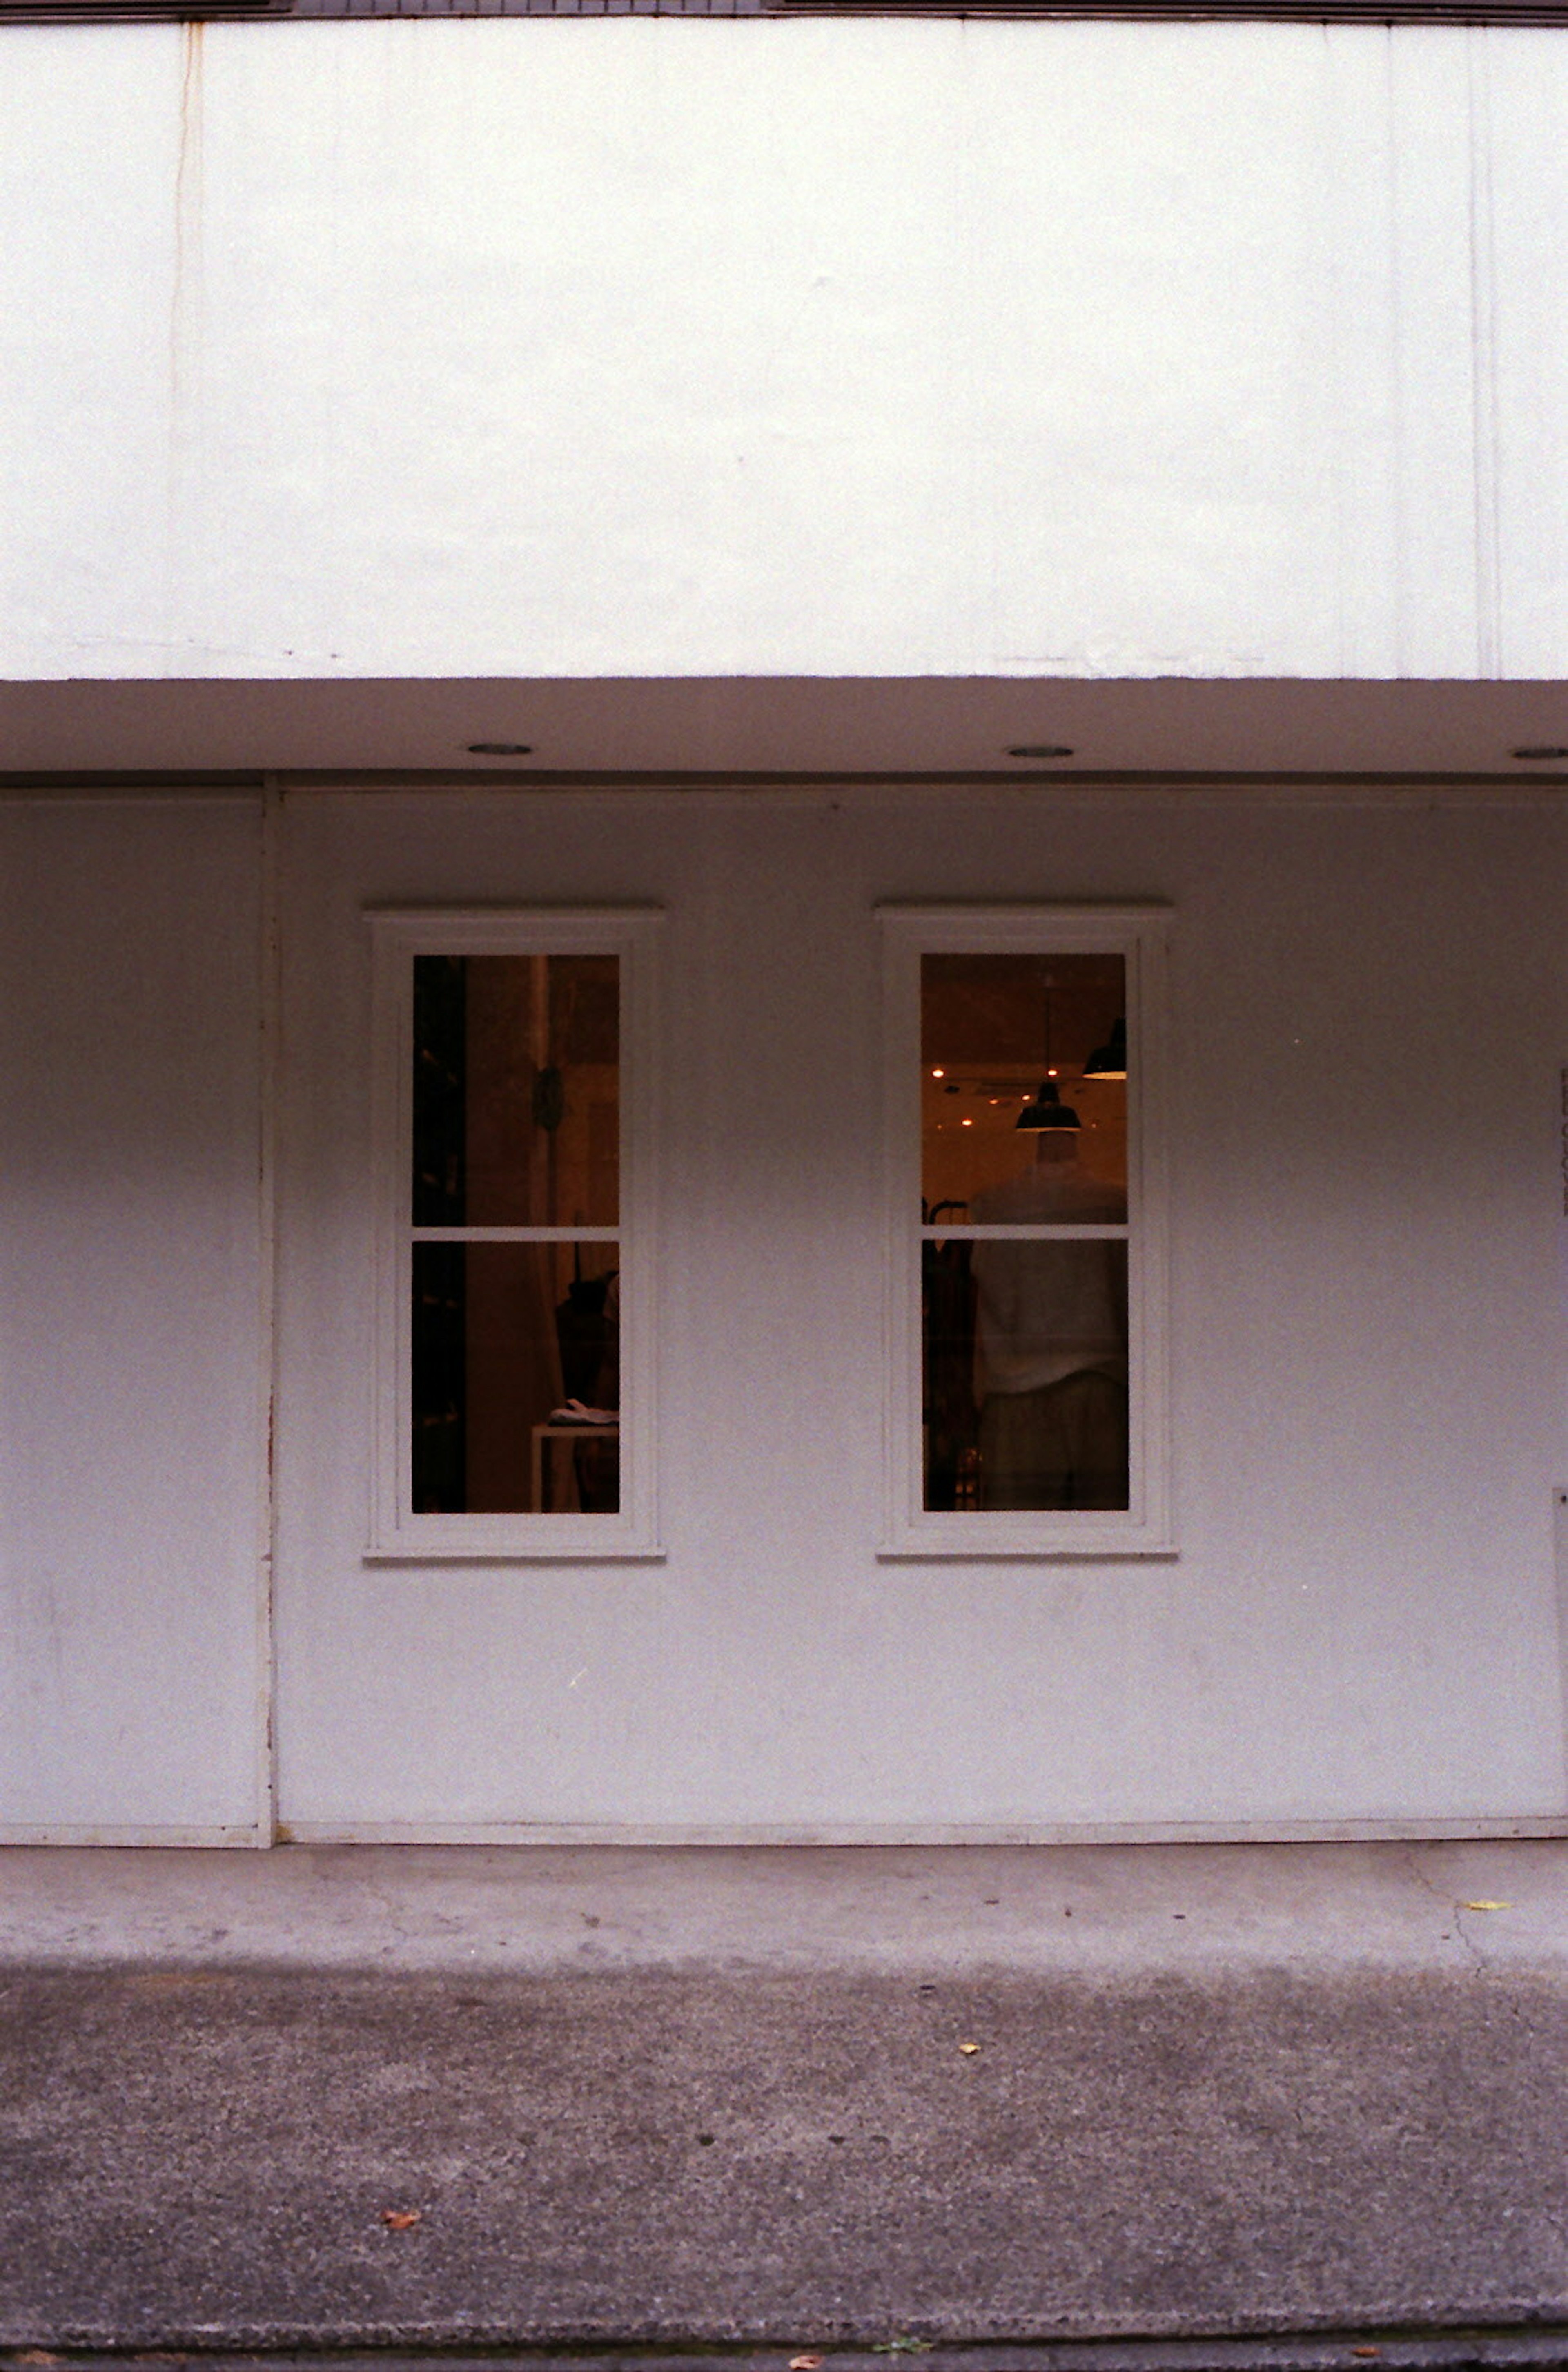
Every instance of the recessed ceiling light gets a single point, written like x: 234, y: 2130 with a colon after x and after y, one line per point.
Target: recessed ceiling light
x: 1542, y: 750
x: 501, y: 748
x: 1038, y: 750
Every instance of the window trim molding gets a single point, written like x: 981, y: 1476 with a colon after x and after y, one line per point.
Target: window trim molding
x: 1140, y: 933
x: 398, y: 935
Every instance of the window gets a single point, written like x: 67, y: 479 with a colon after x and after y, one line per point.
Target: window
x: 1025, y: 1218
x: 514, y: 1345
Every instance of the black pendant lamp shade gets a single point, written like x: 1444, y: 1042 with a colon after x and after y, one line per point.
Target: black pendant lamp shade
x: 1048, y: 1110
x: 1109, y: 1061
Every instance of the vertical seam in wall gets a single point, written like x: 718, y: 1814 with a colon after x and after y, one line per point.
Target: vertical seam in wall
x: 1560, y: 1493
x: 1559, y: 1597
x: 1400, y: 441
x: 1332, y: 128
x: 268, y: 1063
x: 981, y: 504
x: 185, y: 312
x: 1483, y: 363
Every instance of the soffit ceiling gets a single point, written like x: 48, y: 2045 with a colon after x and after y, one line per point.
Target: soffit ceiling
x: 785, y: 727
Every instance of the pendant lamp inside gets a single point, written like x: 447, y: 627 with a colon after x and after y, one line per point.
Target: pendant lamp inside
x: 1048, y: 1110
x: 1109, y: 1061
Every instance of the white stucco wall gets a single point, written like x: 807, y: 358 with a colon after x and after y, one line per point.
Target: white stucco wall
x: 1369, y: 1416
x: 533, y: 347
x: 1360, y: 1626
x: 133, y: 1655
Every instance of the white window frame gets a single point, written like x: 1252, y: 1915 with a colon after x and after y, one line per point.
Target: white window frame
x: 1139, y: 935
x: 398, y: 935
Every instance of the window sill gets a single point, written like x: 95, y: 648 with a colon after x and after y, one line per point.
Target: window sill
x: 502, y: 1544
x: 967, y: 1539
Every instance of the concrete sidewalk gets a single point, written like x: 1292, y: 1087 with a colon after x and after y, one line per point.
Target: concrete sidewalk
x: 540, y: 2097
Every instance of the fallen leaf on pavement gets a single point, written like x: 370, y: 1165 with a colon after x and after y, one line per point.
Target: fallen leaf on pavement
x: 402, y: 2219
x: 968, y: 2049
x: 1486, y: 1906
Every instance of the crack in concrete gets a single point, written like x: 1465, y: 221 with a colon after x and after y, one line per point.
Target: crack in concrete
x: 1412, y: 1859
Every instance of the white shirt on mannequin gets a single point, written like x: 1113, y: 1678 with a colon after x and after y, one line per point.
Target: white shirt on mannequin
x: 1047, y: 1310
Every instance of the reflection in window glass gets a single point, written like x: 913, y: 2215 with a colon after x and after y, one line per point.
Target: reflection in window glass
x: 515, y: 1091
x: 1023, y: 1128
x: 517, y: 1384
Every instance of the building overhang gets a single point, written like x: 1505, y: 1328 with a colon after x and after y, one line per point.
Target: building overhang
x: 785, y: 729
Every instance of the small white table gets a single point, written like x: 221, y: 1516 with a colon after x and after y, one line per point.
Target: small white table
x: 543, y: 1433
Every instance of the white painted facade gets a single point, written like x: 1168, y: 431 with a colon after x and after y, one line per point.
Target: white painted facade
x: 1359, y: 1623
x: 728, y: 401
x: 578, y: 347
x: 137, y: 1302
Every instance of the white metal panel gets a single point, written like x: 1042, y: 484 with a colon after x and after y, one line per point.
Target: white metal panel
x: 579, y: 347
x: 1368, y: 1419
x: 132, y: 1338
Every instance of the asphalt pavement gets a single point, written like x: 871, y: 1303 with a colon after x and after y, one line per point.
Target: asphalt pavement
x: 883, y: 2104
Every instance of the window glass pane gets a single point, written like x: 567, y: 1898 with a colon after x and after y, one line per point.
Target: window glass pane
x: 995, y: 1030
x: 515, y: 1091
x: 1025, y: 1395
x: 504, y: 1337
